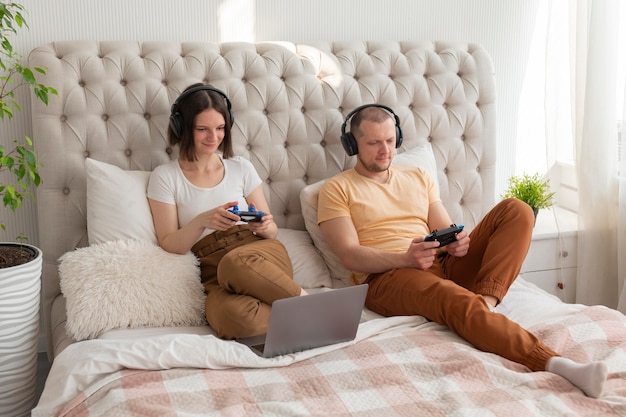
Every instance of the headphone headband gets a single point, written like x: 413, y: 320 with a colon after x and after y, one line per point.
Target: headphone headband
x: 349, y: 141
x: 176, y: 119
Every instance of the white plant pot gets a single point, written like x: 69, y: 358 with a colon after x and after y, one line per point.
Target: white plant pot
x: 20, y: 288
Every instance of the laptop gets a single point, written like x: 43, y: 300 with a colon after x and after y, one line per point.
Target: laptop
x: 310, y: 321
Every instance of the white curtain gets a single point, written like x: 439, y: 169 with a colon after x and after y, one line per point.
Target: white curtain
x: 583, y: 79
x: 596, y: 151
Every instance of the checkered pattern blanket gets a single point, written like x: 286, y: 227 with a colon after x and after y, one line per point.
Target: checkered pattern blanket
x: 396, y: 367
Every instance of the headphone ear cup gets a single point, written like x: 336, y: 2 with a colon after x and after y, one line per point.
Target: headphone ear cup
x: 176, y: 124
x: 398, y: 136
x: 349, y: 144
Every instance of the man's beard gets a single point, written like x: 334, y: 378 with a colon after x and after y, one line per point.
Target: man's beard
x: 373, y: 167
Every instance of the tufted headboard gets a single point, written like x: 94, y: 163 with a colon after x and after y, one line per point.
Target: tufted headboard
x: 289, y: 102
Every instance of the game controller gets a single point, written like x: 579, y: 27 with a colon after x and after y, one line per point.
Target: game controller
x: 445, y: 236
x: 252, y: 215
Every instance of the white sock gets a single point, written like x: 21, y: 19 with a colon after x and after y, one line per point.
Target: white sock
x: 589, y: 377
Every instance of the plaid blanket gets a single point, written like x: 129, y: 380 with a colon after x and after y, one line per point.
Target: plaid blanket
x: 396, y: 367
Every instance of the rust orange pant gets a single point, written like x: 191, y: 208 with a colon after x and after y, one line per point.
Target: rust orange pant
x: 243, y: 275
x: 447, y: 293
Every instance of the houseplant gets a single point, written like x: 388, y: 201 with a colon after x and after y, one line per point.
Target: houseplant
x: 18, y: 162
x: 531, y: 189
x: 20, y: 263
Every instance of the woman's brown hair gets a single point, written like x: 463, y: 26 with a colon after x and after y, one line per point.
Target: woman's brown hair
x: 184, y: 112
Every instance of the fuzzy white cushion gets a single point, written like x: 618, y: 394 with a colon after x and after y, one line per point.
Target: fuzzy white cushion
x: 117, y: 207
x: 129, y: 283
x: 420, y: 156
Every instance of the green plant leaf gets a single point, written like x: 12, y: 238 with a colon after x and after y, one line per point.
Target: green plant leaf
x: 21, y: 160
x: 531, y: 189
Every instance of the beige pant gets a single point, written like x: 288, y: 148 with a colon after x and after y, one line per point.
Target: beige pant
x: 243, y: 275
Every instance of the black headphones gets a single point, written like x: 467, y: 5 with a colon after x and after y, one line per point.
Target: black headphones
x: 347, y: 138
x: 176, y: 119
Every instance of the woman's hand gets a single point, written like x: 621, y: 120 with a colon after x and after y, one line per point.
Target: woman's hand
x: 263, y: 227
x: 219, y: 218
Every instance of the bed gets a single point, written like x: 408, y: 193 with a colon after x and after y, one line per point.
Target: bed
x: 124, y: 321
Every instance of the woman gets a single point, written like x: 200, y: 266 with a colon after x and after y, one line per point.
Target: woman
x: 244, y: 269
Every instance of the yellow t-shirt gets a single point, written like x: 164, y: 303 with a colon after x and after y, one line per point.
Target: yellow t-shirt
x: 386, y: 216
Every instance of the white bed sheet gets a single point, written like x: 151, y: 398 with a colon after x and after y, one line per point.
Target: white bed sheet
x: 78, y: 367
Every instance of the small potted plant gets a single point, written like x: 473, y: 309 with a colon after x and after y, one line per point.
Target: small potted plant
x: 20, y: 263
x: 531, y: 189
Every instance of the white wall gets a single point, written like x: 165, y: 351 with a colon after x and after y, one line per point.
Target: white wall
x: 504, y: 28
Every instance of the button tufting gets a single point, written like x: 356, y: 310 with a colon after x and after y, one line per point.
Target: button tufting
x: 249, y: 147
x: 128, y: 152
x: 323, y: 143
x: 66, y: 190
x: 147, y: 116
x: 105, y: 117
x: 169, y: 150
x: 123, y: 83
x: 305, y: 179
x: 63, y: 118
x: 81, y: 83
x: 86, y: 154
x: 268, y: 181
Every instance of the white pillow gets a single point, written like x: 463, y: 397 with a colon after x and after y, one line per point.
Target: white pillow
x: 308, y: 201
x: 420, y: 156
x: 129, y: 283
x: 309, y: 269
x: 117, y: 206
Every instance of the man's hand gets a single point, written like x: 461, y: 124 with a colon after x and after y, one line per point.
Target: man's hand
x: 422, y: 254
x: 460, y: 247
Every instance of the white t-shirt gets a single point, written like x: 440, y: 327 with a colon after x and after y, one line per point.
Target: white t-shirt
x: 169, y: 185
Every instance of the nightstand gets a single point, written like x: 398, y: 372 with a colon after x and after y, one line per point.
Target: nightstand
x: 551, y: 260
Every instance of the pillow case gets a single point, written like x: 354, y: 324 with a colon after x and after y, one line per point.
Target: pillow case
x: 112, y: 190
x: 308, y: 201
x: 309, y: 269
x: 117, y: 206
x: 420, y: 156
x: 129, y: 283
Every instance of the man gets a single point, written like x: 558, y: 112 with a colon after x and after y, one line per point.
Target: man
x: 375, y: 217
